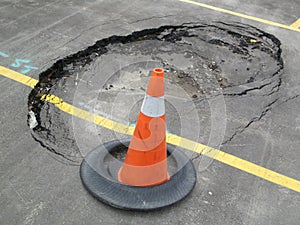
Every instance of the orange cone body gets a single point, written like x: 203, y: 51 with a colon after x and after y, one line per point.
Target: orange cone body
x: 146, y: 160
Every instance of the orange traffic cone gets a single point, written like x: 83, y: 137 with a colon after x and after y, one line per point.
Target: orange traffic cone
x: 146, y: 160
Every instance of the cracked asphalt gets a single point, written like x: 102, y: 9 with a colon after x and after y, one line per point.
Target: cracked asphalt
x: 40, y: 181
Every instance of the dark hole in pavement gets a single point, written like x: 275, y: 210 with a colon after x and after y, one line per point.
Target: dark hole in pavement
x: 205, y: 60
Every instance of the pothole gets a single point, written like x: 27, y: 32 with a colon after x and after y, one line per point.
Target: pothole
x: 200, y: 60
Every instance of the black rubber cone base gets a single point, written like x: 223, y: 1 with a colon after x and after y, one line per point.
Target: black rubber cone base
x: 98, y: 179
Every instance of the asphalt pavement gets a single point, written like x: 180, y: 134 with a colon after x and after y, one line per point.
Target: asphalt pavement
x: 232, y: 83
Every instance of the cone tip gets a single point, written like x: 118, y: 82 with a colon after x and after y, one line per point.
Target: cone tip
x: 159, y: 72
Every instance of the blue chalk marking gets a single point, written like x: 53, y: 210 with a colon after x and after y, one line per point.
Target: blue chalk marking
x: 28, y: 69
x: 3, y: 54
x: 19, y: 62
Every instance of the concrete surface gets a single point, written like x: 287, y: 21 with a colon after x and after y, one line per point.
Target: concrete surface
x: 36, y: 188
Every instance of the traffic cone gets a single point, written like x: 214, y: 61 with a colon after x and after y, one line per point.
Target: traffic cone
x: 145, y: 163
x: 144, y: 183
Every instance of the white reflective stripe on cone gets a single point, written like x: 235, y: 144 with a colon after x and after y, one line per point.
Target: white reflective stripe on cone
x: 153, y: 106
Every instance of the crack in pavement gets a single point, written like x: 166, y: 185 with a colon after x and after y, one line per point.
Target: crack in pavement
x: 245, y: 92
x: 150, y: 18
x: 253, y: 120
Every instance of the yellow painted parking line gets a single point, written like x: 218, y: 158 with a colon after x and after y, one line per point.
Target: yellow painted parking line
x: 242, y: 15
x: 11, y: 74
x: 216, y: 154
x: 86, y: 115
x: 296, y: 24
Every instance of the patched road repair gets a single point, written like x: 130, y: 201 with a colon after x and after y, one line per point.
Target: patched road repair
x: 74, y: 75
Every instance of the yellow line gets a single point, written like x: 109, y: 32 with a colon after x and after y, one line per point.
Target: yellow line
x: 219, y: 155
x: 83, y: 114
x: 242, y: 15
x: 296, y: 24
x: 11, y: 74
